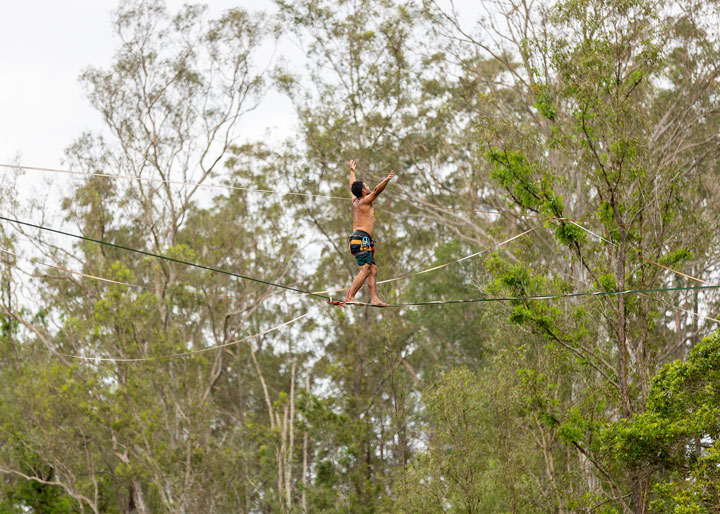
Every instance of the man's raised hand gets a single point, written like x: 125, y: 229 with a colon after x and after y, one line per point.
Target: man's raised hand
x: 352, y: 172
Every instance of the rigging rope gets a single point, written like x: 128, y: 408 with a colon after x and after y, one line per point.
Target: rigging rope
x: 323, y: 296
x: 117, y: 282
x: 165, y: 257
x: 555, y: 296
x: 301, y: 292
x: 170, y: 355
x: 409, y: 304
x: 164, y: 181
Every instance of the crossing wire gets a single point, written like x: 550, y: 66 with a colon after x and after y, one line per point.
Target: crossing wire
x: 318, y: 294
x: 166, y: 181
x: 239, y: 188
x: 556, y: 296
x: 170, y: 355
x: 164, y: 257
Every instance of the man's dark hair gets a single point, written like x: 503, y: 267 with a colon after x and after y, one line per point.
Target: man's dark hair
x: 357, y: 188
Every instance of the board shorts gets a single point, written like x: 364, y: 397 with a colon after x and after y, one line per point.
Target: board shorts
x: 362, y: 247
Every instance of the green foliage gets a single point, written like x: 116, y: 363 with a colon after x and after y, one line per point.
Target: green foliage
x: 513, y: 171
x: 545, y: 106
x: 463, y: 468
x: 40, y: 498
x: 533, y: 189
x: 568, y: 234
x: 678, y: 256
x: 598, y: 114
x: 677, y: 436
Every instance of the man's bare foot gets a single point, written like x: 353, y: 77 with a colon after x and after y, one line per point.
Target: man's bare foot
x: 379, y: 303
x: 352, y: 301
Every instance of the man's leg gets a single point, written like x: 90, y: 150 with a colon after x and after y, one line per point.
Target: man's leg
x: 363, y: 274
x: 372, y: 285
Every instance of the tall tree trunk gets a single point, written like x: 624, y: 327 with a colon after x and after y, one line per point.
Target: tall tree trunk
x: 138, y: 497
x: 305, y: 451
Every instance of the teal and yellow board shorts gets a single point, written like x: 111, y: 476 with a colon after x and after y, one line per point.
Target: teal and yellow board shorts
x: 362, y: 247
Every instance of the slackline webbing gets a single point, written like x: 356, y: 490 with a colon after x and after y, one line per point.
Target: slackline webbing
x: 408, y: 304
x: 556, y: 296
x: 111, y: 281
x: 165, y: 257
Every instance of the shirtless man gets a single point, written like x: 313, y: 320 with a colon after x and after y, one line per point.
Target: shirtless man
x: 362, y: 245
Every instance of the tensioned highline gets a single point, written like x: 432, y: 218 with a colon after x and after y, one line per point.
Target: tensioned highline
x: 334, y: 290
x: 409, y: 304
x: 163, y: 257
x: 185, y: 292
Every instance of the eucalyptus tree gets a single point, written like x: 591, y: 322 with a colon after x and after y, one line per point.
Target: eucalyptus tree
x: 382, y: 92
x: 158, y: 434
x: 598, y: 119
x: 356, y: 100
x: 676, y: 438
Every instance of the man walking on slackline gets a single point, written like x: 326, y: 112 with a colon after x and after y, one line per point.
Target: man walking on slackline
x: 362, y: 245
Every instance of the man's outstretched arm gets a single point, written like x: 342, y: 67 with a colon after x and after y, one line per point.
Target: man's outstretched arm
x: 352, y: 172
x: 379, y: 188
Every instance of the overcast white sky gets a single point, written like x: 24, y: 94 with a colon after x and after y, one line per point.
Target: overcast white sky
x: 45, y: 44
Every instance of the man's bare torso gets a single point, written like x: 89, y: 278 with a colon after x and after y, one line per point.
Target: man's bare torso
x: 363, y: 216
